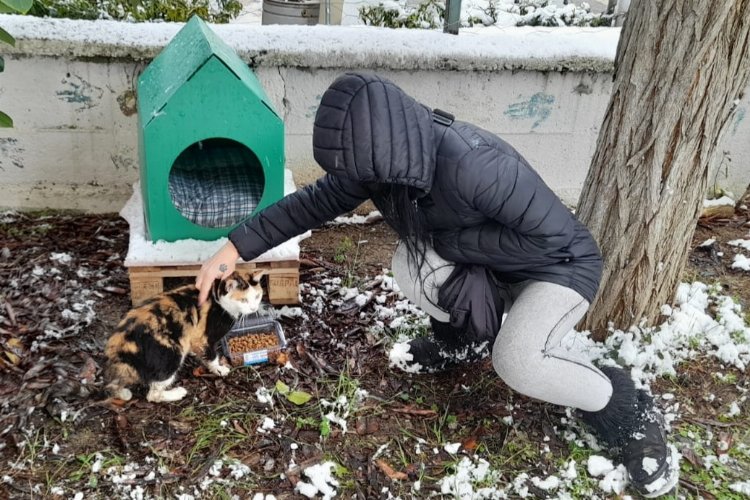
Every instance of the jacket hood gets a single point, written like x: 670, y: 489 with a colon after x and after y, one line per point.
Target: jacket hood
x: 369, y: 130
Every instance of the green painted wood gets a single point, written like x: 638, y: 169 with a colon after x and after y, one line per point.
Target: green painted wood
x: 196, y: 89
x: 452, y: 16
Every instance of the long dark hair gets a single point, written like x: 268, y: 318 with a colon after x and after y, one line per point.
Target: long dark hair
x: 398, y: 206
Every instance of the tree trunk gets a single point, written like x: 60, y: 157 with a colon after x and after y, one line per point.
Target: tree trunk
x: 681, y: 67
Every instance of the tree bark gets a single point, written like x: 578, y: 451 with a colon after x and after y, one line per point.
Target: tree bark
x: 680, y: 69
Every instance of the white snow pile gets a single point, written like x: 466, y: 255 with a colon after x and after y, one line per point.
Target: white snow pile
x: 614, y: 479
x: 471, y: 475
x: 468, y: 473
x: 452, y: 448
x: 340, y: 409
x: 741, y: 262
x: 321, y: 481
x: 742, y: 487
x: 689, y: 330
x: 264, y: 396
x: 355, y: 219
x: 718, y: 202
x: 400, y: 357
x: 740, y: 243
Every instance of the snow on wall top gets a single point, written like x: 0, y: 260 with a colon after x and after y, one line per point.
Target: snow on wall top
x: 531, y: 48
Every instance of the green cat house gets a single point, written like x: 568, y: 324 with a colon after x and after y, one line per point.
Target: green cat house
x: 211, y: 144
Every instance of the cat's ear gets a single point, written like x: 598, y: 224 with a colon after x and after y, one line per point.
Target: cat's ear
x: 230, y: 285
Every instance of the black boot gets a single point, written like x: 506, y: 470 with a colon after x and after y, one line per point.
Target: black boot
x: 447, y: 347
x: 633, y: 428
x: 460, y: 345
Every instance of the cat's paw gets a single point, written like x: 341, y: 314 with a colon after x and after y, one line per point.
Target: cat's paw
x: 222, y: 370
x: 124, y: 394
x: 217, y: 368
x: 156, y: 395
x: 176, y: 394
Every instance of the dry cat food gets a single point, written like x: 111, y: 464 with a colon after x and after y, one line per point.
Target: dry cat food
x: 250, y: 345
x: 253, y: 342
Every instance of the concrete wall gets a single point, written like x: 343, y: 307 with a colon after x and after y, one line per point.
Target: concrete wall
x: 74, y: 144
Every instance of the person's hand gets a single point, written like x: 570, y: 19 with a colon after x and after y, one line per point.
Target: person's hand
x: 220, y: 266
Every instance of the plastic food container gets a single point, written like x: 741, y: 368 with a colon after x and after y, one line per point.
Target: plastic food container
x: 253, y: 341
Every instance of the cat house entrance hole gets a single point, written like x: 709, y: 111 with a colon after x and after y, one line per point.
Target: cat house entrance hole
x: 216, y: 183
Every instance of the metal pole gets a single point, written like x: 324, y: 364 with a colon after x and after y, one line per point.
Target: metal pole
x: 452, y: 16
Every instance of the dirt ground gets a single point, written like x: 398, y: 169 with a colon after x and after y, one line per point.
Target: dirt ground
x: 63, y: 288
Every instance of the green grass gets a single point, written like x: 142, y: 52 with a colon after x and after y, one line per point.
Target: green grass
x: 214, y: 430
x: 347, y: 255
x: 716, y: 479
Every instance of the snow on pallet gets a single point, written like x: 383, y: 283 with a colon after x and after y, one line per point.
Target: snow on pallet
x: 150, y: 262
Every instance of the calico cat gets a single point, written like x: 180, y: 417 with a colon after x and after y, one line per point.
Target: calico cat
x: 152, y: 340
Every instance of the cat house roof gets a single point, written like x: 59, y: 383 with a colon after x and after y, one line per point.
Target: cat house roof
x: 186, y: 54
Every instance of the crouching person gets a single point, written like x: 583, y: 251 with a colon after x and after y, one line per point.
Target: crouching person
x: 481, y: 236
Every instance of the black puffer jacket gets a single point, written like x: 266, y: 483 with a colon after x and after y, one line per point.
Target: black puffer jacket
x: 482, y: 201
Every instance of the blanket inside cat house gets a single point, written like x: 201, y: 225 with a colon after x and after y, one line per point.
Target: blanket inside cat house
x: 211, y: 144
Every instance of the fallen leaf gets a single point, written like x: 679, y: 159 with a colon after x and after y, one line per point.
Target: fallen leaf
x: 238, y: 427
x: 388, y: 471
x: 199, y: 371
x: 412, y: 471
x: 13, y: 358
x: 122, y: 422
x: 420, y: 412
x: 180, y: 427
x: 15, y: 344
x: 118, y: 402
x: 281, y: 387
x: 367, y: 426
x: 299, y: 397
x: 11, y: 313
x: 470, y: 443
x: 301, y: 351
x: 725, y: 442
x: 88, y: 370
x: 691, y: 457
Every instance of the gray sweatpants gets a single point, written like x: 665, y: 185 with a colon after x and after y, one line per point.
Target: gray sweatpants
x: 528, y: 353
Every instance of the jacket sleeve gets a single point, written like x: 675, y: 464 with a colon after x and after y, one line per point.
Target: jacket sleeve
x: 530, y: 219
x: 305, y: 209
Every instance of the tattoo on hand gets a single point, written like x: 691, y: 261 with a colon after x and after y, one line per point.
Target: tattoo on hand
x: 223, y: 268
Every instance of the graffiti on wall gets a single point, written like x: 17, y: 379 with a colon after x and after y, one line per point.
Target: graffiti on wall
x: 537, y: 108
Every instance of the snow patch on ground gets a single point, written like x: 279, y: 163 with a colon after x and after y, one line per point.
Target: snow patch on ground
x: 463, y: 483
x: 598, y: 466
x: 741, y: 262
x: 719, y: 202
x: 740, y: 243
x: 321, y: 481
x: 688, y: 331
x: 356, y: 219
x: 741, y: 487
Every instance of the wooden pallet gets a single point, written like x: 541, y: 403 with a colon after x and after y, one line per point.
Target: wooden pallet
x: 282, y: 276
